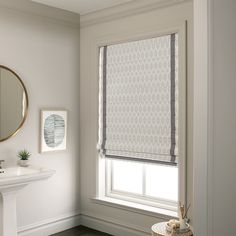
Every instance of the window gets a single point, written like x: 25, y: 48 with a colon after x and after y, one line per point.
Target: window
x: 145, y: 183
x: 139, y: 122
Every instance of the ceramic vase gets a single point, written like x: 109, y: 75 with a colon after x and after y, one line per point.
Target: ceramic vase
x: 23, y: 163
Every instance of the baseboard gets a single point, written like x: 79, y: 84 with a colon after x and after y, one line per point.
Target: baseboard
x: 112, y: 226
x: 51, y: 226
x: 64, y: 222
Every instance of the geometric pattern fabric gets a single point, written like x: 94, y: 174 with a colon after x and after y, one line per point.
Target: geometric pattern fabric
x: 138, y: 110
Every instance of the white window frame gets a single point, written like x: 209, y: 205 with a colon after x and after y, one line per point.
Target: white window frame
x: 137, y: 198
x: 107, y: 40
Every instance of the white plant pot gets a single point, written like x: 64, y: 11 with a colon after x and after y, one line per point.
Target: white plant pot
x: 23, y: 163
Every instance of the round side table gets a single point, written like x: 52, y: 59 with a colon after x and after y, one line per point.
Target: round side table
x: 159, y: 229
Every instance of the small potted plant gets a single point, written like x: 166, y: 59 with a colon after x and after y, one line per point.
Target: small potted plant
x: 24, y: 157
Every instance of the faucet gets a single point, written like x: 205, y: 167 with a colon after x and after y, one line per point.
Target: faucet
x: 1, y: 170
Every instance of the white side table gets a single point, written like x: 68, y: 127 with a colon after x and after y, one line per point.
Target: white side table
x: 159, y: 229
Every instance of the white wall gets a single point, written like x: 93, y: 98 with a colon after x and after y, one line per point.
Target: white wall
x: 224, y: 121
x: 110, y: 219
x: 45, y: 53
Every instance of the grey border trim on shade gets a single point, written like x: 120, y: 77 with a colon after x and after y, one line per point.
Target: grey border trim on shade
x: 104, y: 94
x: 116, y: 157
x: 172, y: 97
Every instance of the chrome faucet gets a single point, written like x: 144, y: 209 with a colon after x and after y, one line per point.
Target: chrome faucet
x: 1, y: 170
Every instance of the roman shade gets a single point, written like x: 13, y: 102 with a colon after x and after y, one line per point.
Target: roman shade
x: 138, y: 100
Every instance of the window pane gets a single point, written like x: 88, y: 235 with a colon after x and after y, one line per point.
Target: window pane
x: 162, y: 181
x: 127, y: 176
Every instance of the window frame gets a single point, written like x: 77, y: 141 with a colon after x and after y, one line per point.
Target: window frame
x: 137, y: 198
x: 107, y: 40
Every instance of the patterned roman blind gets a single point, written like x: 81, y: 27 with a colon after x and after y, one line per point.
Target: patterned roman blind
x: 138, y: 100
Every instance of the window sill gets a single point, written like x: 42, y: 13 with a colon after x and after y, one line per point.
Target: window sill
x: 136, y: 207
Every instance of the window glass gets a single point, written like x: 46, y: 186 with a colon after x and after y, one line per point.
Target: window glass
x: 127, y: 176
x: 162, y: 181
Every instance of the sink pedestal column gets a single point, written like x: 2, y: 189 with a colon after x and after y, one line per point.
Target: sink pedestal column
x: 9, y: 220
x: 11, y: 181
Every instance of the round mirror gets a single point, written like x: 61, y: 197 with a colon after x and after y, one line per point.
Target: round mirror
x: 13, y: 103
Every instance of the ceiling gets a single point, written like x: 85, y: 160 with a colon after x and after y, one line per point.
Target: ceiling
x: 82, y: 6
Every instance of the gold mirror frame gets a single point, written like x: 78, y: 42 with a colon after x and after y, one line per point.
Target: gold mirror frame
x: 26, y: 104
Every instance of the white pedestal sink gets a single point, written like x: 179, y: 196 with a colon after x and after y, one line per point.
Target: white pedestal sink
x: 11, y: 181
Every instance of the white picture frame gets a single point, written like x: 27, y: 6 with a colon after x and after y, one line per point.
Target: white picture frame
x: 53, y: 130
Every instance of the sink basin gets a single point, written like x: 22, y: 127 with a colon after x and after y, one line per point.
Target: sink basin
x: 22, y: 175
x: 13, y: 179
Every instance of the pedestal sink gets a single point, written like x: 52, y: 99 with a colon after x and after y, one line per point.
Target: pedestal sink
x: 11, y: 181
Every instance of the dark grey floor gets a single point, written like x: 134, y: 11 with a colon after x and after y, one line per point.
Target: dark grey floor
x: 81, y: 230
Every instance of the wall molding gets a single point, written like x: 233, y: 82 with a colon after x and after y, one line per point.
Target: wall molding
x: 203, y: 119
x: 112, y: 226
x: 70, y: 220
x: 108, y: 14
x: 73, y: 219
x: 51, y: 226
x: 124, y: 10
x: 210, y: 163
x: 40, y: 10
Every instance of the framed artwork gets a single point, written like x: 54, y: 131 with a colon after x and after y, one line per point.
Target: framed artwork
x: 53, y: 130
